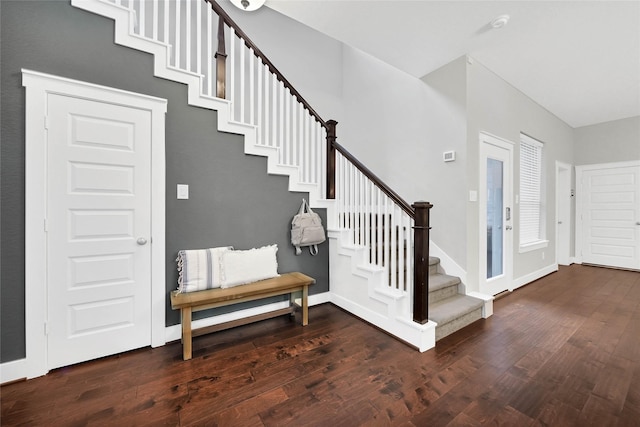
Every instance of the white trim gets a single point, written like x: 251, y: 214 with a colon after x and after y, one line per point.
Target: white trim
x: 487, y: 308
x: 528, y: 278
x: 12, y: 371
x: 38, y: 86
x: 174, y: 332
x: 559, y: 191
x: 532, y: 246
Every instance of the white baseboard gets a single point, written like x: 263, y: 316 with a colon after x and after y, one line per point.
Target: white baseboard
x: 174, y: 332
x: 523, y: 280
x: 12, y: 371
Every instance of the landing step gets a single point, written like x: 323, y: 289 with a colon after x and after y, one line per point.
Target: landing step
x: 445, y: 311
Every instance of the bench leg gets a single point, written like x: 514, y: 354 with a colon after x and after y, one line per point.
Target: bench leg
x: 305, y: 306
x: 186, y: 332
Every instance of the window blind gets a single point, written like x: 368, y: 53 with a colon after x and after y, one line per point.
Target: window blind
x: 530, y: 191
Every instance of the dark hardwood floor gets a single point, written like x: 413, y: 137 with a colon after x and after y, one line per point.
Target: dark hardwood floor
x: 562, y: 351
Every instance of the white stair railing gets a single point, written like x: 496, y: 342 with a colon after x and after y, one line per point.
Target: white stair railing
x: 376, y: 222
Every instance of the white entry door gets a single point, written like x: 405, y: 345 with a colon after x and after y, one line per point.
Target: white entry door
x: 98, y: 229
x: 609, y: 199
x: 496, y: 215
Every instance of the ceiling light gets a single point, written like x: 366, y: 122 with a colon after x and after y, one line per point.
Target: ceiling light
x: 248, y: 5
x: 500, y: 21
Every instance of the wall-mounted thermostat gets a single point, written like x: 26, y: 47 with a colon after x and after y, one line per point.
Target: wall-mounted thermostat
x: 449, y: 156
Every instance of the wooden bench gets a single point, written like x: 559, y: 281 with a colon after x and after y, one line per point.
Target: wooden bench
x: 188, y: 302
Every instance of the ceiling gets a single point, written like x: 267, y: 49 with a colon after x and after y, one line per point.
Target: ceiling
x: 578, y: 59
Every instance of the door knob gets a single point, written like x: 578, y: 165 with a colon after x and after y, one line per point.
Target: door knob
x: 509, y: 227
x: 141, y: 241
x: 559, y: 222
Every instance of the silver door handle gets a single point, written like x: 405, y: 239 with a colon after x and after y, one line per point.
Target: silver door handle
x: 637, y: 222
x: 559, y: 222
x: 141, y: 241
x: 508, y: 227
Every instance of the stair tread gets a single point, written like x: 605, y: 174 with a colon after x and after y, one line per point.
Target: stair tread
x: 452, y: 308
x: 439, y: 281
x: 434, y: 260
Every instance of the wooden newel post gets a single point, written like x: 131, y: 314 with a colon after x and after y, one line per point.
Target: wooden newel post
x: 331, y: 159
x: 221, y: 62
x: 421, y: 262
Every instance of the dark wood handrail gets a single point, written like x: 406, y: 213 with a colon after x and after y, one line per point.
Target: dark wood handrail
x: 250, y: 44
x: 377, y: 181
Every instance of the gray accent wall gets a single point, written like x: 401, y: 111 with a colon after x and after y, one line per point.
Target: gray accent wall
x: 232, y: 199
x: 609, y: 142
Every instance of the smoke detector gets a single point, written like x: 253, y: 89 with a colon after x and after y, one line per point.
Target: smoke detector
x: 500, y: 21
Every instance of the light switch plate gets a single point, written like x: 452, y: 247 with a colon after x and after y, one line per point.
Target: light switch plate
x: 183, y: 191
x: 473, y: 196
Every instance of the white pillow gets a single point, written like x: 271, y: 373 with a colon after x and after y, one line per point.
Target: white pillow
x: 241, y: 267
x: 199, y: 269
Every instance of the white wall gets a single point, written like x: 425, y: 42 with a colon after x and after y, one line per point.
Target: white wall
x: 399, y: 127
x: 496, y: 107
x: 609, y: 142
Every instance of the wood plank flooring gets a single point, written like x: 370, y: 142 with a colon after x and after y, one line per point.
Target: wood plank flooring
x: 562, y: 351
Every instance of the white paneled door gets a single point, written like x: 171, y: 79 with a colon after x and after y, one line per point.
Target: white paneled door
x: 610, y: 214
x: 98, y: 229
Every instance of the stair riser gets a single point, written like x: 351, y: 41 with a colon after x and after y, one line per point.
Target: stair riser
x: 433, y: 268
x: 443, y: 293
x: 457, y: 324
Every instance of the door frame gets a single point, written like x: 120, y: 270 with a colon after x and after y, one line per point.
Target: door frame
x: 487, y: 138
x: 38, y: 86
x: 579, y: 238
x: 563, y: 186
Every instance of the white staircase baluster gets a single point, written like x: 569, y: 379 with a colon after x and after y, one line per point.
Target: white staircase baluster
x: 252, y: 106
x: 210, y: 46
x: 187, y: 36
x: 199, y: 37
x: 259, y: 102
x: 242, y: 83
x: 274, y: 110
x: 176, y: 44
x: 231, y: 80
x: 156, y: 21
x: 280, y: 140
x: 165, y: 29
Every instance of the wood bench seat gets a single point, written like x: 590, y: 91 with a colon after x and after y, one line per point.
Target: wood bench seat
x: 189, y: 302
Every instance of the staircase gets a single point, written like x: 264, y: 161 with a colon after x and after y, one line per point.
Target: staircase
x: 449, y: 306
x: 370, y: 228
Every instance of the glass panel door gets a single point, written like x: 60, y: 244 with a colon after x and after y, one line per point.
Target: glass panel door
x: 495, y: 231
x: 495, y: 209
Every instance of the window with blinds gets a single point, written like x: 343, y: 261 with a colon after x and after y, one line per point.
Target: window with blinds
x: 532, y: 213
